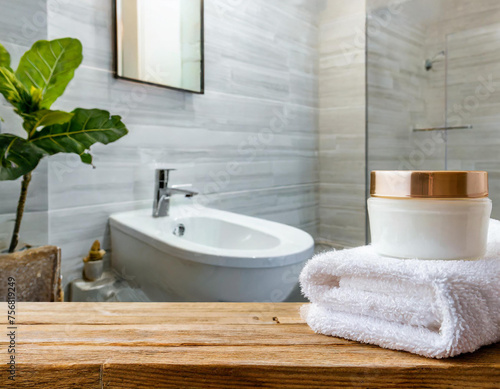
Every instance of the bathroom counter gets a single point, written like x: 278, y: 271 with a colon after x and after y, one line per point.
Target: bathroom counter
x: 139, y: 345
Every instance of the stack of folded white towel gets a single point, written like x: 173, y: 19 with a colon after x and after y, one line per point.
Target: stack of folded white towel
x: 436, y: 309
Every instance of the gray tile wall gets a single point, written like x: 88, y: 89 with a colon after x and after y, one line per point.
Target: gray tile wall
x: 261, y: 73
x: 342, y: 122
x: 470, y: 32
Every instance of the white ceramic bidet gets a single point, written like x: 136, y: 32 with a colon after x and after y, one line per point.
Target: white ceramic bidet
x: 203, y: 254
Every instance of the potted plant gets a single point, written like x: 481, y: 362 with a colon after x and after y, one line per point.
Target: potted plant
x: 43, y: 73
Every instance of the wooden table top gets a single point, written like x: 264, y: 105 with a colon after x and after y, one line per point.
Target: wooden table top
x: 212, y: 345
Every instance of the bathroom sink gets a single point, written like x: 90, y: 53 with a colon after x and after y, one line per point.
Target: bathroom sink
x: 203, y: 254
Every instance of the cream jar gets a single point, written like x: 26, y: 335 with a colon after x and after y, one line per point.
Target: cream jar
x: 429, y: 214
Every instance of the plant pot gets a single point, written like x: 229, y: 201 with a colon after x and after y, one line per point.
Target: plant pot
x: 92, y: 270
x: 36, y: 273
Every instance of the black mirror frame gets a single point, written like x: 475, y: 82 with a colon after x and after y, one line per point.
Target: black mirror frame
x: 202, y: 49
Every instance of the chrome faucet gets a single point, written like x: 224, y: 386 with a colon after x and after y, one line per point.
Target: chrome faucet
x: 163, y: 193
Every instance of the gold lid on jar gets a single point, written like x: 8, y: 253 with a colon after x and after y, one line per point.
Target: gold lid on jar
x: 428, y: 184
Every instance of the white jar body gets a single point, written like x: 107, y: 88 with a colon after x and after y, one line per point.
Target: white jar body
x: 429, y: 228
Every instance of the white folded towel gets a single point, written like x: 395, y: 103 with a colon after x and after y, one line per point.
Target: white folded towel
x: 436, y: 309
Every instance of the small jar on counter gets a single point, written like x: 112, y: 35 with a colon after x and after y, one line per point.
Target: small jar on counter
x: 442, y: 215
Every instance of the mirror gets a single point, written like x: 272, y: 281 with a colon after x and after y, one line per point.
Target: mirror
x: 160, y: 42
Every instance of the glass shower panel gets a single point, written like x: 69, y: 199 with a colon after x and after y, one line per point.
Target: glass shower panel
x: 473, y: 98
x: 434, y: 64
x: 402, y: 95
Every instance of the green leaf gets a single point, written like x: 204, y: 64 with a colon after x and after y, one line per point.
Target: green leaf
x: 4, y: 57
x: 44, y: 117
x: 17, y: 157
x: 86, y: 127
x: 49, y: 66
x: 13, y: 91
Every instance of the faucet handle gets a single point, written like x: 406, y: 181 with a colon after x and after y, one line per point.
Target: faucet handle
x: 162, y: 175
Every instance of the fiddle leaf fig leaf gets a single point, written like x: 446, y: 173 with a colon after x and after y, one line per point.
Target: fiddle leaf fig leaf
x: 49, y: 66
x: 44, y: 117
x: 86, y: 127
x: 14, y: 92
x: 4, y: 57
x: 36, y: 96
x: 17, y: 157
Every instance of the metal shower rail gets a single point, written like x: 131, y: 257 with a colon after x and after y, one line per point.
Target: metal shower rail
x: 466, y: 127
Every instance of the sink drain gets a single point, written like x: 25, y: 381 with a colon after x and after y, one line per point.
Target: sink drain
x: 179, y: 230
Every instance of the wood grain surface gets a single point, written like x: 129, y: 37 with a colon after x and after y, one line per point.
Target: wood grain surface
x: 213, y: 345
